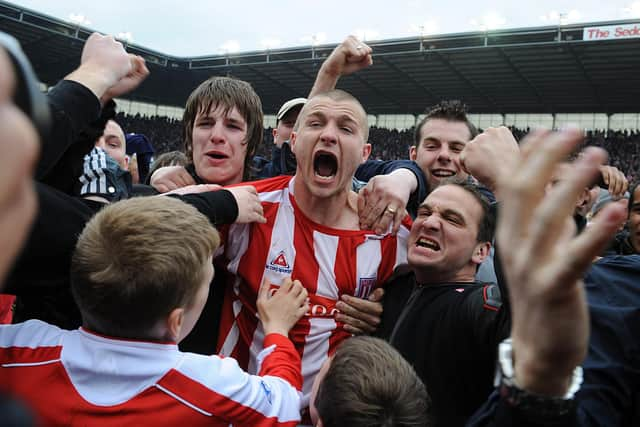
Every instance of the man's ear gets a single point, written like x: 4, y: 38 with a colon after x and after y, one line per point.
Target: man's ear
x: 274, y: 132
x: 413, y: 153
x: 366, y: 152
x: 175, y: 321
x: 481, y: 252
x: 293, y: 138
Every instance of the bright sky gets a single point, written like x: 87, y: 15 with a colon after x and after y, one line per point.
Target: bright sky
x: 199, y: 27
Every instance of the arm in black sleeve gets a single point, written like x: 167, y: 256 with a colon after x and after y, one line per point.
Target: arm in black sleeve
x: 219, y: 206
x: 488, y: 316
x: 497, y: 266
x: 498, y: 412
x: 73, y: 107
x: 371, y: 168
x: 40, y: 276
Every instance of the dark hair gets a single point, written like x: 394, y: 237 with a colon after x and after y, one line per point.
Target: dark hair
x: 131, y: 268
x: 369, y: 384
x: 228, y: 93
x: 487, y: 224
x: 451, y: 110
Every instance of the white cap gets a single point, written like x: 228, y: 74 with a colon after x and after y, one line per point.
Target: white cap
x: 287, y: 106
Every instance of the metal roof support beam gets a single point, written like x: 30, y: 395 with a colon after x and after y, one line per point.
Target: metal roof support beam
x: 275, y: 82
x: 307, y: 76
x: 473, y: 87
x: 580, y: 64
x: 432, y: 97
x: 376, y: 90
x: 525, y: 80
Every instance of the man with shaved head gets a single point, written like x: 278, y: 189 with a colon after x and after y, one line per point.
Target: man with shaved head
x: 312, y: 233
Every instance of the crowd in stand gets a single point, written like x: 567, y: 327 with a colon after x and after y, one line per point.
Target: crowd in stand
x: 455, y: 278
x: 389, y: 144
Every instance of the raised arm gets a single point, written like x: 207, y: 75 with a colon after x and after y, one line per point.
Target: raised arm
x: 106, y: 71
x: 544, y: 262
x: 348, y: 57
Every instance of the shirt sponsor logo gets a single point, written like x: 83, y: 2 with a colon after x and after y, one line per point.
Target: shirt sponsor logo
x: 279, y: 264
x: 318, y: 306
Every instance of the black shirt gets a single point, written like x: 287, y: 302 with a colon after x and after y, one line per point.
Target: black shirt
x: 449, y: 332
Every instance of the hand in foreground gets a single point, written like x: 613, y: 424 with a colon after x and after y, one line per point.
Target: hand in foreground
x: 360, y: 316
x: 249, y: 206
x: 282, y: 310
x: 544, y: 261
x: 171, y: 178
x: 488, y: 156
x: 383, y: 200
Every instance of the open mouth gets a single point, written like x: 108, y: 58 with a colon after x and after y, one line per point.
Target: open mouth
x: 325, y: 165
x: 424, y: 242
x: 217, y: 156
x: 442, y: 173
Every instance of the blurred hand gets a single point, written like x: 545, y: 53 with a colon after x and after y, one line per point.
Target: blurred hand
x: 171, y: 178
x: 361, y: 316
x: 281, y: 311
x: 18, y: 153
x: 544, y: 261
x: 249, y: 206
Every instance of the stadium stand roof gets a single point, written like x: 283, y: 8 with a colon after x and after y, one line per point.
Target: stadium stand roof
x: 530, y: 70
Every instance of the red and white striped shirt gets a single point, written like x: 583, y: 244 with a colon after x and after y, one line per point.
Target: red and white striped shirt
x: 329, y: 263
x: 78, y: 378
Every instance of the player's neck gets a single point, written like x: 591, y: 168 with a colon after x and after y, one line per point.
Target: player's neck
x: 338, y: 211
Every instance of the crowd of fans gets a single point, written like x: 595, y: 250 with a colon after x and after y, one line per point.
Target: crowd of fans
x: 389, y: 144
x: 476, y: 285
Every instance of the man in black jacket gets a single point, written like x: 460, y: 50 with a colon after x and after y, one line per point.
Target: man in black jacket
x: 441, y: 320
x: 447, y: 326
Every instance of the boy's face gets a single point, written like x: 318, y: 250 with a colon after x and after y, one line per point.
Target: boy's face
x: 193, y: 311
x: 219, y: 145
